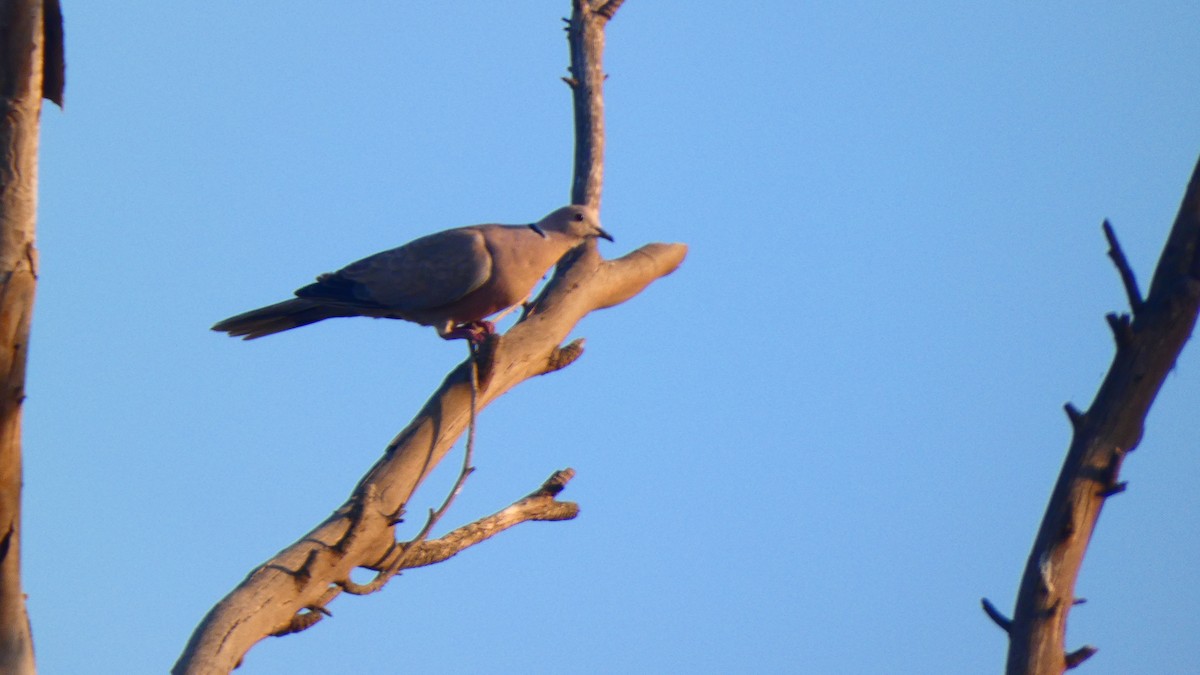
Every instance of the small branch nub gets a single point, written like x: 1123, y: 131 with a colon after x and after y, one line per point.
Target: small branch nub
x: 556, y: 483
x: 303, y: 620
x: 1127, y: 278
x: 564, y: 356
x: 1122, y: 328
x: 994, y: 614
x: 1080, y: 655
x: 1114, y: 489
x: 1073, y: 415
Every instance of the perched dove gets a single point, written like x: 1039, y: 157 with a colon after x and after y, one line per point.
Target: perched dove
x: 450, y: 280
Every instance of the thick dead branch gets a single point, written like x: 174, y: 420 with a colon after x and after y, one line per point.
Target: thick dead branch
x: 1148, y: 345
x: 30, y: 68
x: 290, y: 591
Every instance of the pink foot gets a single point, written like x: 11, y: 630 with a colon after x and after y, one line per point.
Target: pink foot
x: 476, y: 331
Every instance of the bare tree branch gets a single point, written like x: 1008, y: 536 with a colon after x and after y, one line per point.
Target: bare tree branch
x: 290, y: 591
x: 1128, y: 280
x: 539, y: 505
x: 398, y: 561
x: 300, y: 577
x: 585, y: 35
x: 30, y: 67
x: 1147, y: 347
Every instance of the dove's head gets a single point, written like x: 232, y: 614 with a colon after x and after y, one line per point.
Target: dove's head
x: 577, y: 221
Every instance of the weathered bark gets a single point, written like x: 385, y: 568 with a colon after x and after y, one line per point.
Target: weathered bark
x: 30, y: 44
x: 585, y: 32
x: 1147, y: 348
x: 289, y: 592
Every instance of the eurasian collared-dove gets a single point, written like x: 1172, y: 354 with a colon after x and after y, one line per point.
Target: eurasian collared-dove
x: 450, y: 280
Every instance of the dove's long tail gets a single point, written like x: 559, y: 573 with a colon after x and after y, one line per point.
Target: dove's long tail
x: 277, y: 318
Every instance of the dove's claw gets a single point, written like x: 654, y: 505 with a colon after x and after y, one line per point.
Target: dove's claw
x: 475, y: 331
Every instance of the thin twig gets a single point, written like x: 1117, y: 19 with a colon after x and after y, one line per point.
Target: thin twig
x: 394, y: 568
x: 540, y: 505
x: 1127, y: 278
x: 467, y: 469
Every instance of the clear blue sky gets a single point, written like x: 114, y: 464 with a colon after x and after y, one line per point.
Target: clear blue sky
x: 812, y: 449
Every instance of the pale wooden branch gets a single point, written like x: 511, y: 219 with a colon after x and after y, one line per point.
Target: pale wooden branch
x: 398, y: 561
x: 539, y: 505
x: 585, y: 36
x: 31, y: 61
x: 291, y: 590
x: 1147, y: 347
x: 284, y: 590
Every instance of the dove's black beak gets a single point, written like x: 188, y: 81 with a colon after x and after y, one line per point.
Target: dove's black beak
x: 600, y: 232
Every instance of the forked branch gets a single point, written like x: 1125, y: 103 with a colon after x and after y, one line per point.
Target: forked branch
x: 291, y: 591
x: 1148, y: 344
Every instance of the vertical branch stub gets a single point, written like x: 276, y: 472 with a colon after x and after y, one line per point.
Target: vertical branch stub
x: 585, y: 37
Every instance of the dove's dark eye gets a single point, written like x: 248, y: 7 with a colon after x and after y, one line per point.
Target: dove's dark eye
x: 578, y: 217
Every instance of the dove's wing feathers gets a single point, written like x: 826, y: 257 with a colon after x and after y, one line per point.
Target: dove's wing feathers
x: 433, y: 271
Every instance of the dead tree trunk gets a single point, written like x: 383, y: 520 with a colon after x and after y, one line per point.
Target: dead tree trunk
x: 31, y: 48
x: 289, y: 592
x: 1148, y: 344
